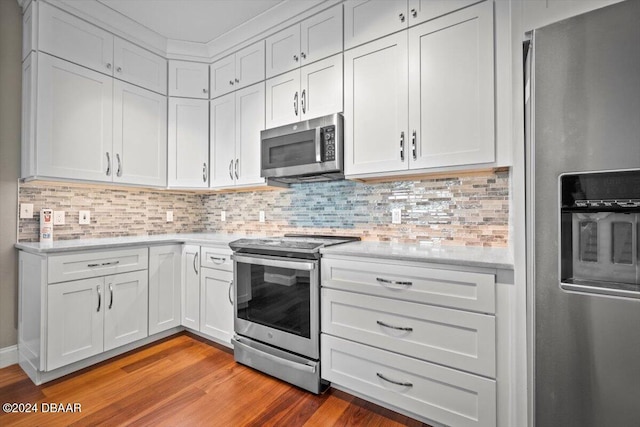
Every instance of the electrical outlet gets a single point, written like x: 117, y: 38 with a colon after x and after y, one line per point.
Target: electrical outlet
x: 58, y: 217
x: 84, y: 217
x: 396, y: 215
x: 223, y: 216
x: 26, y: 210
x: 261, y: 216
x: 169, y: 216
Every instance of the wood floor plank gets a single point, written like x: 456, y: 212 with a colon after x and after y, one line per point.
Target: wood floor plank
x: 184, y: 380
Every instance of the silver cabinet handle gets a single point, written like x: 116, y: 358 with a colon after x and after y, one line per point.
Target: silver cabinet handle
x: 399, y: 328
x: 119, y: 69
x: 99, y: 298
x: 108, y: 164
x: 217, y: 260
x: 110, y: 263
x: 403, y: 384
x: 204, y: 91
x: 303, y: 55
x: 304, y: 110
x: 237, y: 167
x: 237, y: 81
x: 402, y: 146
x: 401, y: 16
x: 119, y: 172
x: 230, y: 168
x: 414, y: 13
x: 295, y: 103
x: 230, y: 290
x: 108, y: 65
x: 195, y: 260
x: 393, y: 282
x: 92, y: 265
x: 231, y: 82
x: 111, y: 292
x: 204, y: 172
x: 413, y: 146
x: 295, y: 58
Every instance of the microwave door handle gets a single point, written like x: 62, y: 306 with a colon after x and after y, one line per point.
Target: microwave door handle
x: 318, y: 145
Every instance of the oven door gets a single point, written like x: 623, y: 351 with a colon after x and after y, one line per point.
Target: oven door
x: 278, y: 302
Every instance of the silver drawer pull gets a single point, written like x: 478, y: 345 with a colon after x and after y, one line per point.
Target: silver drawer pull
x: 111, y: 292
x: 111, y: 263
x: 99, y: 298
x: 217, y: 260
x: 403, y: 384
x: 399, y: 328
x: 393, y: 282
x: 92, y: 265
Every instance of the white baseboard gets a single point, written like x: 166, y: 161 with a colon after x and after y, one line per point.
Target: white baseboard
x: 8, y: 356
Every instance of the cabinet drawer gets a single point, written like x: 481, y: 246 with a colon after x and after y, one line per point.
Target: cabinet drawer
x: 216, y: 258
x: 441, y: 394
x: 457, y: 289
x: 83, y: 265
x: 449, y: 337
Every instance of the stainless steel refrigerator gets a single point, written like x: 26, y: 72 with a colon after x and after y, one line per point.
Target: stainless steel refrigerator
x: 582, y: 95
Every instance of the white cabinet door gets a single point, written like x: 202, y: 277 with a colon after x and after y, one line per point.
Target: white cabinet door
x: 283, y: 51
x: 249, y: 65
x: 140, y: 136
x: 249, y: 123
x: 74, y: 321
x: 376, y: 106
x: 426, y: 10
x: 216, y: 304
x: 74, y: 121
x: 321, y: 35
x: 451, y: 89
x: 321, y: 88
x: 191, y: 286
x: 125, y: 312
x: 165, y: 268
x: 188, y: 79
x: 283, y: 99
x: 75, y: 40
x: 223, y: 76
x: 366, y: 20
x: 188, y: 143
x: 222, y: 145
x: 138, y: 66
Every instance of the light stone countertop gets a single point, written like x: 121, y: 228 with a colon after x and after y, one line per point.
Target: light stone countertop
x: 471, y: 256
x: 204, y: 239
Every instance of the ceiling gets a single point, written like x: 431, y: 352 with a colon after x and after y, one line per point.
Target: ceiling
x: 199, y: 21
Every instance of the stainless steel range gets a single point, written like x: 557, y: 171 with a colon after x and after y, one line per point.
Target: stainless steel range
x: 277, y: 306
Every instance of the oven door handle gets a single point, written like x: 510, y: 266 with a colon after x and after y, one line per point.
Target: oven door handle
x: 271, y: 262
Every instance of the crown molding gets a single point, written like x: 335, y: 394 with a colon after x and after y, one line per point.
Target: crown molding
x: 187, y: 51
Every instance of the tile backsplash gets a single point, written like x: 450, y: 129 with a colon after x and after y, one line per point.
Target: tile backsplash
x: 469, y: 209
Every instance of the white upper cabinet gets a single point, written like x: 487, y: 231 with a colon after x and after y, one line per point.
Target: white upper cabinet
x: 425, y: 10
x: 376, y: 106
x: 451, y: 89
x: 74, y: 121
x: 188, y: 79
x: 138, y: 66
x: 139, y: 136
x: 188, y: 143
x: 366, y: 20
x: 239, y: 70
x: 75, y: 40
x: 312, y: 91
x: 236, y: 121
x: 313, y: 39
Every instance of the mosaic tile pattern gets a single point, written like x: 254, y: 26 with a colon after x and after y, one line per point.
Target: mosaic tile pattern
x: 114, y: 211
x: 470, y: 209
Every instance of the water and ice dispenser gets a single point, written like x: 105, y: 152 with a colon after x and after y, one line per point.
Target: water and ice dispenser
x: 599, y: 219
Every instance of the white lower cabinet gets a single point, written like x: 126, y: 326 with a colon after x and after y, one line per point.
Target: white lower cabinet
x: 216, y: 304
x: 191, y: 286
x: 418, y: 338
x: 165, y: 268
x: 89, y: 316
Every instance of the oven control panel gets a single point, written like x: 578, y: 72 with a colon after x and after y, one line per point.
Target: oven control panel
x: 329, y: 139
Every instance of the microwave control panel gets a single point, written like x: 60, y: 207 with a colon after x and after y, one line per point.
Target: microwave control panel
x: 329, y: 136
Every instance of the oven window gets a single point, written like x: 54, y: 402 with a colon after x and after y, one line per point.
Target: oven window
x: 290, y: 150
x: 279, y: 298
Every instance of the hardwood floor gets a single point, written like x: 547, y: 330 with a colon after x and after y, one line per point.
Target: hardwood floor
x: 183, y: 380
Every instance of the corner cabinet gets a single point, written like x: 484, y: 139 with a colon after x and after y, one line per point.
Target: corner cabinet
x: 235, y: 122
x: 165, y: 290
x: 239, y: 70
x: 423, y: 98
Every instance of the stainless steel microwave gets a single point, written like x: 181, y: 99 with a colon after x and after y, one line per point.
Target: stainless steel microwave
x: 308, y: 151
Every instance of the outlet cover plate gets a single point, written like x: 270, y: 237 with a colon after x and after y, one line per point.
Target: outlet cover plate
x: 58, y: 218
x: 84, y: 217
x: 169, y: 216
x: 261, y: 216
x: 223, y: 216
x: 26, y: 210
x: 396, y: 216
